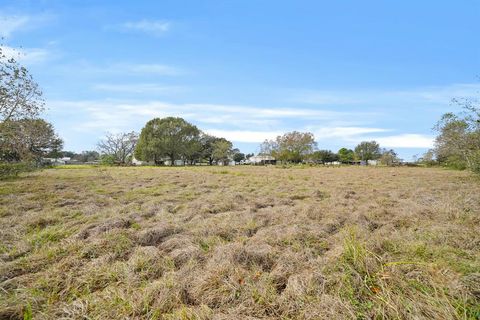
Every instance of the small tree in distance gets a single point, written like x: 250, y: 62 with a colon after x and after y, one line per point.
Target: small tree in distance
x: 346, y: 155
x: 222, y: 151
x: 118, y: 148
x: 368, y: 150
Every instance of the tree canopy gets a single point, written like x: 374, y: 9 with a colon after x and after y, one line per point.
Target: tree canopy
x: 169, y: 137
x: 291, y: 147
x: 27, y: 140
x: 368, y: 150
x: 324, y: 156
x: 458, y: 142
x: 222, y: 150
x: 346, y: 155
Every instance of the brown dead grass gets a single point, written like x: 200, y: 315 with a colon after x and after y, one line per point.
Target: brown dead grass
x: 240, y: 243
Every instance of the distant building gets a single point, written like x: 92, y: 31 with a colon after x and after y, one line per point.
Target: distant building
x: 262, y: 160
x: 59, y: 161
x: 226, y: 163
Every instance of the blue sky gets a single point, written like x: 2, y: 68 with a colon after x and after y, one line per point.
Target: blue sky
x: 249, y: 70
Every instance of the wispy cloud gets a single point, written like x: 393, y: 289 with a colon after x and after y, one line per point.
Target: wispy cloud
x: 26, y: 55
x: 151, y: 27
x: 240, y: 124
x: 244, y: 135
x: 117, y: 112
x: 12, y: 23
x: 408, y: 140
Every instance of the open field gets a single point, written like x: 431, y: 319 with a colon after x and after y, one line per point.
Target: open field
x: 240, y: 243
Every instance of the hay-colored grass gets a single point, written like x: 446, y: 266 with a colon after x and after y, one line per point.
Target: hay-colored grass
x: 240, y: 243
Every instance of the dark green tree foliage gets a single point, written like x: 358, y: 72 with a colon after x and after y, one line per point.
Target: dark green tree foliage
x: 27, y: 140
x: 207, y: 142
x: 324, y: 156
x: 346, y: 155
x: 238, y: 156
x: 368, y: 150
x: 458, y: 142
x: 171, y: 137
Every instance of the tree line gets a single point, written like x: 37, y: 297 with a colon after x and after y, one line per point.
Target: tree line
x: 25, y: 138
x: 166, y: 140
x: 300, y: 147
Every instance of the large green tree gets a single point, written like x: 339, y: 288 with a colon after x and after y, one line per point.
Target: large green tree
x: 346, y: 155
x: 222, y: 150
x: 207, y: 142
x: 170, y: 137
x: 368, y: 150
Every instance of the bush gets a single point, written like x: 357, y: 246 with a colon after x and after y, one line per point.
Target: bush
x: 8, y: 170
x: 107, y: 160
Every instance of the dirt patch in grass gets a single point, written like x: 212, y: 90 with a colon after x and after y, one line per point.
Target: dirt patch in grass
x: 240, y: 243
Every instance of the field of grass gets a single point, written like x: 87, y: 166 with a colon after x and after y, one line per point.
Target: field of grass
x: 240, y: 243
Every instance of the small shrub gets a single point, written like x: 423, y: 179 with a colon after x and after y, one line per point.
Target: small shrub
x: 107, y: 160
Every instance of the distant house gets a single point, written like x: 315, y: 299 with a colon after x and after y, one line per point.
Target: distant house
x: 372, y: 162
x: 137, y: 162
x: 262, y: 160
x: 58, y: 161
x: 333, y: 163
x: 226, y: 163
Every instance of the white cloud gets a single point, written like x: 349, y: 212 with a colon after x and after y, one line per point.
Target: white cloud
x: 12, y: 23
x: 240, y: 124
x: 153, y: 27
x: 120, y: 113
x: 408, y: 140
x: 345, y: 133
x: 26, y: 55
x: 244, y: 135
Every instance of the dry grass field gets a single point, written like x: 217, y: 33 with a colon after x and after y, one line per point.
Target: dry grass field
x: 240, y: 243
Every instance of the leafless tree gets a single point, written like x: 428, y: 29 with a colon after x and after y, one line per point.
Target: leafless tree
x: 120, y: 146
x: 20, y: 95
